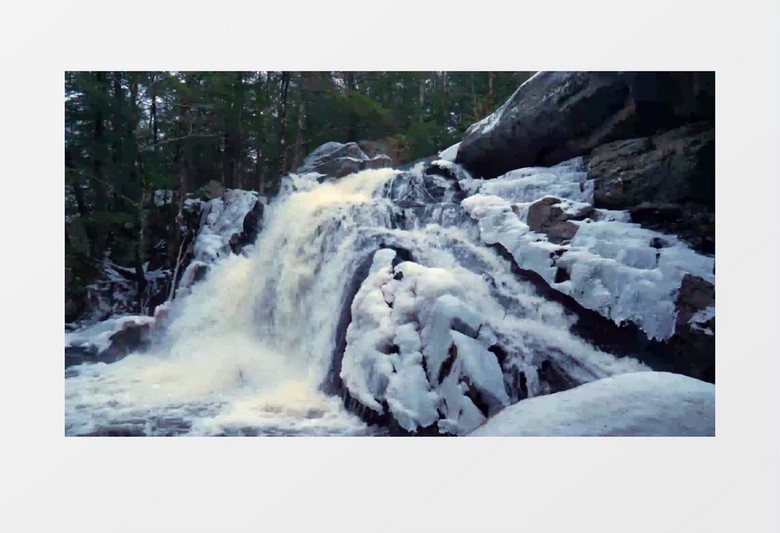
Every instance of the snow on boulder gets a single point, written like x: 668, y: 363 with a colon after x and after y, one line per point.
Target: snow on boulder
x: 633, y: 404
x: 449, y: 154
x: 334, y: 159
x: 108, y: 341
x: 554, y: 116
x: 98, y: 337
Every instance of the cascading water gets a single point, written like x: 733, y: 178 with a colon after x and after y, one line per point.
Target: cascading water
x: 441, y: 331
x: 245, y: 351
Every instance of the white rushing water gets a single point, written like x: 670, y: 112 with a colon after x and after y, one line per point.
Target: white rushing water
x: 247, y: 350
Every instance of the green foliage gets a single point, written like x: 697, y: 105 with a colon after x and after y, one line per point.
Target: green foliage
x: 421, y: 139
x: 372, y: 119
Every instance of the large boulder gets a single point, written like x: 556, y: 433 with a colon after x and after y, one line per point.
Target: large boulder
x: 335, y: 160
x: 555, y: 116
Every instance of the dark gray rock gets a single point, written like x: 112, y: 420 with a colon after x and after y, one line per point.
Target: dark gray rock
x: 693, y: 345
x: 666, y: 181
x: 129, y: 339
x: 555, y: 116
x: 695, y: 294
x: 250, y: 228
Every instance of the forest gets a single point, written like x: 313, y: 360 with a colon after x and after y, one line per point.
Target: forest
x: 129, y: 134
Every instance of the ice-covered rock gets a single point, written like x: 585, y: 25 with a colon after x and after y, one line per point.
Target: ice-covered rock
x: 524, y: 185
x: 107, y: 341
x: 435, y: 352
x: 621, y: 270
x: 222, y: 218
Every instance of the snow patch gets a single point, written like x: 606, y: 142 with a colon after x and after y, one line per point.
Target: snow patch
x: 449, y: 154
x: 632, y: 404
x: 700, y: 318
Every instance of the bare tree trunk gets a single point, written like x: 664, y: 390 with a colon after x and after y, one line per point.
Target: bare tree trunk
x: 298, y: 155
x: 153, y: 111
x: 136, y: 170
x: 473, y: 96
x: 140, y: 256
x: 350, y: 83
x: 184, y: 155
x: 422, y: 99
x: 260, y: 170
x: 283, y: 124
x: 98, y: 156
x: 238, y: 142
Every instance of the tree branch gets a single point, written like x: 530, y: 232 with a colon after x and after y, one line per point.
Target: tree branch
x: 108, y: 185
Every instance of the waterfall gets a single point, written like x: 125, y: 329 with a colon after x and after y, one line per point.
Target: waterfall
x: 250, y: 343
x: 387, y: 287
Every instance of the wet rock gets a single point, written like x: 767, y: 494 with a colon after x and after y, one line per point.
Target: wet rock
x: 251, y: 227
x: 131, y: 338
x: 544, y: 216
x: 117, y: 431
x: 553, y: 378
x: 693, y: 343
x: 76, y: 355
x: 562, y: 275
x: 666, y: 182
x: 695, y: 294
